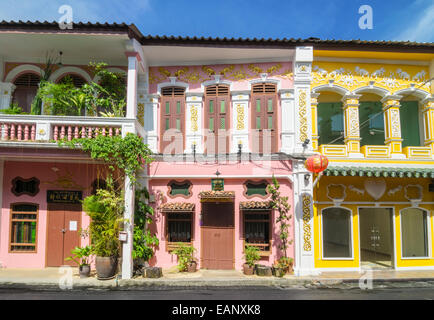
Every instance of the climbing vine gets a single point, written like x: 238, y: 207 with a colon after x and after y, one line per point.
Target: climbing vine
x: 281, y: 205
x: 128, y: 154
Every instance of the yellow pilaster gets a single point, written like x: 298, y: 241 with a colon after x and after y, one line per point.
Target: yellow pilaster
x: 351, y: 116
x: 428, y: 120
x: 392, y: 131
x: 314, y: 112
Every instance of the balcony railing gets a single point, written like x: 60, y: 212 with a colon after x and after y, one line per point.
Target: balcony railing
x: 36, y: 128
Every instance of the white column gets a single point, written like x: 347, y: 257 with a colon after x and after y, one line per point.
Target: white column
x: 193, y: 123
x: 240, y: 122
x: 132, y: 84
x: 151, y: 121
x: 127, y: 246
x: 6, y: 91
x: 302, y: 76
x: 287, y: 121
x: 303, y: 213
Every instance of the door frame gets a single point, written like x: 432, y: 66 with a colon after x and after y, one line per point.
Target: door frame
x: 233, y: 233
x: 392, y: 214
x: 47, y: 229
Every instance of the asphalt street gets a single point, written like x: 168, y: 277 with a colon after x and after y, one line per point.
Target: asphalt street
x: 222, y: 294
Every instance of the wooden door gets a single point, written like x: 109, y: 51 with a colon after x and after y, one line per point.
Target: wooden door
x: 217, y: 106
x: 64, y: 222
x: 173, y: 119
x: 26, y: 87
x: 264, y: 119
x: 218, y: 236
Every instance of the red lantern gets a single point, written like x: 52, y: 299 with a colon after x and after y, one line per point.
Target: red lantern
x: 316, y: 163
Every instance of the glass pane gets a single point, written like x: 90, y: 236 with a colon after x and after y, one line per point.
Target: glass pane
x: 270, y: 105
x: 179, y: 231
x: 180, y: 189
x: 330, y: 123
x: 222, y: 123
x: 258, y: 105
x: 178, y: 107
x: 23, y: 232
x: 222, y: 107
x: 410, y: 131
x: 167, y: 107
x: 270, y: 122
x: 371, y: 123
x: 211, y: 123
x: 258, y: 122
x: 414, y: 233
x: 211, y: 106
x: 336, y: 233
x: 260, y: 189
x: 178, y: 124
x: 24, y: 208
x: 167, y: 123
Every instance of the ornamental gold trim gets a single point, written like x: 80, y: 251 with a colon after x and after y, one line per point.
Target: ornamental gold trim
x: 240, y: 117
x: 193, y: 118
x: 307, y: 232
x: 141, y: 113
x: 303, y: 115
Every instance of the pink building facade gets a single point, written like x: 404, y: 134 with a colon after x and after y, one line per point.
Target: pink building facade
x: 221, y: 121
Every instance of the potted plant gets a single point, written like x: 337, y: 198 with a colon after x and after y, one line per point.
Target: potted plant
x: 251, y: 255
x: 186, y: 260
x: 106, y: 212
x: 81, y: 257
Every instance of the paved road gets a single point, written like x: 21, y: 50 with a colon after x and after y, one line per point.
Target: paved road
x: 223, y: 294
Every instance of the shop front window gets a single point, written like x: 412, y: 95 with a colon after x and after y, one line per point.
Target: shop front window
x: 414, y: 233
x: 336, y: 233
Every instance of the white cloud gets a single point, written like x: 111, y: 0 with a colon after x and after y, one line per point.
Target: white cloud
x: 422, y: 28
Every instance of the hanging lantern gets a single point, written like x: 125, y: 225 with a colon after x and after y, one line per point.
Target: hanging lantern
x: 316, y: 163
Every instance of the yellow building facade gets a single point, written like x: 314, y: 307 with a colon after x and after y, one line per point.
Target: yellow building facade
x: 373, y: 117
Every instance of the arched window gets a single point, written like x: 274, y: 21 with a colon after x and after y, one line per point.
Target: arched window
x: 336, y: 233
x: 414, y: 233
x: 371, y: 120
x: 172, y: 125
x: 26, y: 87
x: 217, y: 103
x: 264, y: 118
x: 330, y: 119
x: 76, y: 80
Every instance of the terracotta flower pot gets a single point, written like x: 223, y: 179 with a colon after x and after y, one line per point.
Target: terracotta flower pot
x: 106, y: 267
x: 248, y: 270
x: 192, y: 266
x: 84, y: 271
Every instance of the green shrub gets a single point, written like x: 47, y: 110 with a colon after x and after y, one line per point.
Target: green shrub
x: 185, y: 254
x: 251, y: 255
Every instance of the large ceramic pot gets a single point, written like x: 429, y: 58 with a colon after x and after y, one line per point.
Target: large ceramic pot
x: 192, y: 266
x: 84, y: 271
x: 248, y: 270
x: 278, y: 271
x: 106, y: 267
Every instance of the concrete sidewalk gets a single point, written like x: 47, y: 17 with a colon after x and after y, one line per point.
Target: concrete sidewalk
x: 58, y: 278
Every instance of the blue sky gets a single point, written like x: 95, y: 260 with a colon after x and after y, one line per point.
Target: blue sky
x: 392, y: 20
